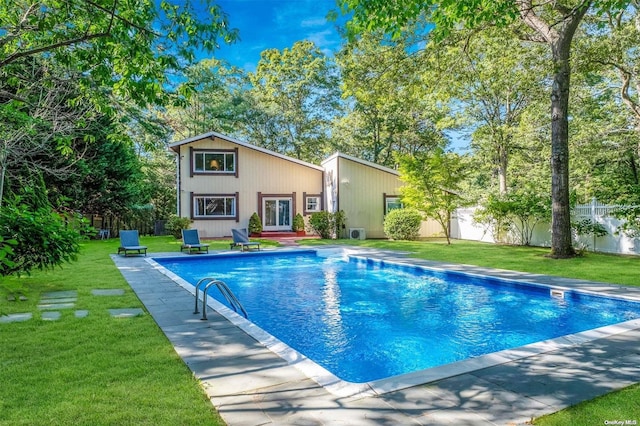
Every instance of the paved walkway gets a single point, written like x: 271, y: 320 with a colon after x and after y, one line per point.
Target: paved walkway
x: 249, y: 385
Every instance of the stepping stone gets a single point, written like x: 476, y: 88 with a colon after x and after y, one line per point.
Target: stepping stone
x: 61, y: 300
x: 82, y: 313
x: 23, y: 298
x: 15, y: 317
x: 51, y: 315
x: 126, y: 313
x: 11, y: 298
x: 60, y: 294
x: 108, y: 292
x: 43, y: 307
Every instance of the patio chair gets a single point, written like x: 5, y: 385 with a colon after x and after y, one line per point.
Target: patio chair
x: 241, y: 239
x: 191, y: 242
x: 129, y: 241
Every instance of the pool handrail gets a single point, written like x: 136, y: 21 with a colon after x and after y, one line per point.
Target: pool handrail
x: 224, y: 290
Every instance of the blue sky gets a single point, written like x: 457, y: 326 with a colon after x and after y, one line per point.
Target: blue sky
x: 268, y: 24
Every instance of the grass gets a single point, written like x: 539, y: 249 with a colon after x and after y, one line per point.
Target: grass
x: 94, y: 370
x: 103, y: 370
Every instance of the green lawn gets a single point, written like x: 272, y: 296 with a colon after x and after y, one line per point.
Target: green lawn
x: 102, y: 370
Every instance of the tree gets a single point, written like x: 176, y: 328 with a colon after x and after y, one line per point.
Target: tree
x: 67, y: 68
x: 129, y: 47
x: 493, y: 78
x: 552, y: 23
x: 432, y: 184
x: 218, y: 100
x: 297, y: 89
x: 390, y: 110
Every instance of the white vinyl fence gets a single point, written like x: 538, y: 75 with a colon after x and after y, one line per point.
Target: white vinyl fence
x: 464, y: 227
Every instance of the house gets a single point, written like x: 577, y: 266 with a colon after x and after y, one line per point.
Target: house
x: 222, y: 181
x: 366, y: 192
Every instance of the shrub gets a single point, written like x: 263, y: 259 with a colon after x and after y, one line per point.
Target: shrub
x: 298, y: 223
x: 326, y: 224
x: 34, y: 236
x: 175, y: 225
x: 402, y: 224
x: 255, y: 224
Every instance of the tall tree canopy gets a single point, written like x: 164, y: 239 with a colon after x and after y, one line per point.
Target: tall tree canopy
x: 552, y: 23
x: 298, y: 90
x: 71, y: 70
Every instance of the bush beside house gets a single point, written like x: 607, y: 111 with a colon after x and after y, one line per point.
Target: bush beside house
x: 402, y: 224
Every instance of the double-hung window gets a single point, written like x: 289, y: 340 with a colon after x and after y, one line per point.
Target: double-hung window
x: 222, y: 162
x: 214, y: 206
x: 312, y: 204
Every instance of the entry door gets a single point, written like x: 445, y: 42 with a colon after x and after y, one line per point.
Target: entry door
x: 277, y: 214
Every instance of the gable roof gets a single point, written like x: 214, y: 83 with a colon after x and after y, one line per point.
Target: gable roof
x: 173, y: 146
x: 361, y: 161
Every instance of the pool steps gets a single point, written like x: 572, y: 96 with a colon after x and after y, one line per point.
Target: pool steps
x: 224, y: 290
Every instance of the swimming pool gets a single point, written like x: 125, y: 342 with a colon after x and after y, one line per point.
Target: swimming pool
x: 365, y: 320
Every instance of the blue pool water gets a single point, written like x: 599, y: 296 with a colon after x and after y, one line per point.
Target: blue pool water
x: 365, y: 320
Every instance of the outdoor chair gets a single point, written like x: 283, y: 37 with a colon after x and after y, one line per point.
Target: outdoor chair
x: 129, y: 241
x: 191, y: 242
x: 241, y: 239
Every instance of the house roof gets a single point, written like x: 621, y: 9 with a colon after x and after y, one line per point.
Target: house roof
x: 361, y: 161
x: 173, y: 146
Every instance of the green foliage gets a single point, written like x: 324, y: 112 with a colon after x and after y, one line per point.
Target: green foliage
x: 130, y: 49
x: 6, y: 251
x: 515, y: 215
x: 433, y: 184
x: 296, y: 94
x: 255, y: 224
x: 631, y: 217
x: 298, y: 222
x: 589, y: 227
x: 175, y: 224
x: 44, y: 238
x: 327, y: 225
x: 389, y: 110
x: 402, y: 224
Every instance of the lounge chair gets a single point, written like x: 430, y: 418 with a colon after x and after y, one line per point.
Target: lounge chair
x: 191, y: 242
x: 241, y: 239
x: 129, y: 241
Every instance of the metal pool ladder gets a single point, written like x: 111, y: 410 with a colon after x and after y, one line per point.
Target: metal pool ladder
x: 224, y: 289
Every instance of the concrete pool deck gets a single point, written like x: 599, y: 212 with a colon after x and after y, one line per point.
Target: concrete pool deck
x: 250, y: 385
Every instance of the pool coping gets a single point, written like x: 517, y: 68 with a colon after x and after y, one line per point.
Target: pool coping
x: 387, y: 390
x: 344, y: 388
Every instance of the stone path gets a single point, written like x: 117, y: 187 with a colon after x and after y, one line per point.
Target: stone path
x: 52, y: 302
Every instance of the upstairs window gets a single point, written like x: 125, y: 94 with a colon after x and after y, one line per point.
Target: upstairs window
x: 223, y: 162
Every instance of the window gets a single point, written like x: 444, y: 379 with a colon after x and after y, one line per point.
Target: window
x: 214, y: 206
x: 312, y: 203
x: 392, y: 203
x: 214, y: 161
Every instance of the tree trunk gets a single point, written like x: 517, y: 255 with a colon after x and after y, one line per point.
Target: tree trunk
x: 561, y: 241
x: 503, y: 164
x: 558, y: 34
